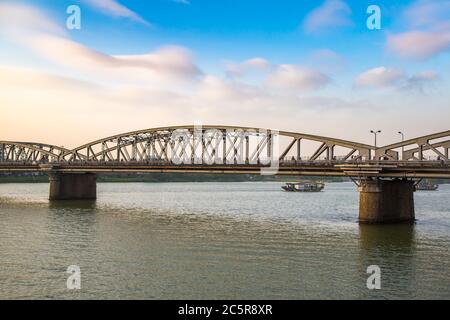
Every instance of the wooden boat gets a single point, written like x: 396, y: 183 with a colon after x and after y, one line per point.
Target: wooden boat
x: 303, y: 186
x: 427, y: 186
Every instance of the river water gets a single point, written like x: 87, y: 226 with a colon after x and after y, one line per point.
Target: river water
x: 218, y: 241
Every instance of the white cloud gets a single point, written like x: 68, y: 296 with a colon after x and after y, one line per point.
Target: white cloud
x: 254, y: 64
x: 424, y: 13
x: 293, y: 77
x: 161, y: 66
x: 165, y: 65
x: 421, y: 80
x: 289, y: 77
x: 115, y: 9
x: 38, y: 80
x: 174, y: 60
x: 429, y: 31
x: 419, y: 44
x: 379, y: 77
x: 17, y: 19
x: 215, y: 88
x: 382, y: 77
x: 332, y: 13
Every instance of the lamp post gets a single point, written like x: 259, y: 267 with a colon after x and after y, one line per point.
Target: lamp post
x: 375, y: 134
x: 403, y: 139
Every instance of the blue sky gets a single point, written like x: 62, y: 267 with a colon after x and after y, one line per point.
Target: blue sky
x: 294, y: 65
x: 228, y: 29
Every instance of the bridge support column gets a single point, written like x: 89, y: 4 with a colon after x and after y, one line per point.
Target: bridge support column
x: 386, y: 201
x: 73, y: 186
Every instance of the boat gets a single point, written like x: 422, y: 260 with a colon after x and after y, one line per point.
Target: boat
x: 427, y: 186
x: 304, y: 186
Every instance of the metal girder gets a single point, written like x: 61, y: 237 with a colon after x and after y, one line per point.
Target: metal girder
x: 220, y: 144
x: 14, y: 151
x: 422, y: 144
x: 228, y: 144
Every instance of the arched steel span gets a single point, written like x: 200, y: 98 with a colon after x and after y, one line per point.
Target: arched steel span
x: 14, y: 151
x: 437, y: 144
x: 211, y: 143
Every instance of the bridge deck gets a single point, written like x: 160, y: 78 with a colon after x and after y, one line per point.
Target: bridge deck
x: 407, y: 169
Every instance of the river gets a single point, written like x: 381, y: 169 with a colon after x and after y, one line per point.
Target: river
x: 246, y: 240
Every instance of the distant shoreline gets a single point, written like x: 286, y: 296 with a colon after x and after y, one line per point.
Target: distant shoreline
x: 172, y: 177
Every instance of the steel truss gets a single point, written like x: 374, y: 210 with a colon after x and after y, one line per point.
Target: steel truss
x: 180, y: 145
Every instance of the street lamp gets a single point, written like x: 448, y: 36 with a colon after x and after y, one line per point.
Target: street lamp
x: 375, y: 134
x: 403, y: 139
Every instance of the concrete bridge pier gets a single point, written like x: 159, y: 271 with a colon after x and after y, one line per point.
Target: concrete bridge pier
x: 386, y: 201
x: 73, y: 186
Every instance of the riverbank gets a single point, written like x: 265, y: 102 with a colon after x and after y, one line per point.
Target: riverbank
x: 170, y: 177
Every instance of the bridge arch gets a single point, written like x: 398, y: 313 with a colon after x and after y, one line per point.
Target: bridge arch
x: 436, y: 144
x: 15, y: 151
x: 235, y: 144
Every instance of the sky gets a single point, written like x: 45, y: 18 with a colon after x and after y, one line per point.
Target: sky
x: 305, y: 66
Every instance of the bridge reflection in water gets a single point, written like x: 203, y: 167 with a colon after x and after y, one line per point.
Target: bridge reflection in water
x: 389, y: 246
x: 385, y: 175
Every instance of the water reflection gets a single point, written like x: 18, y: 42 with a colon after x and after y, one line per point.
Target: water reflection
x: 393, y: 249
x: 83, y: 205
x: 374, y: 237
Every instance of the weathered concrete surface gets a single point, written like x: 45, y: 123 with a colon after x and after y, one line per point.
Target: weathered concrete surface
x: 73, y: 186
x: 386, y: 201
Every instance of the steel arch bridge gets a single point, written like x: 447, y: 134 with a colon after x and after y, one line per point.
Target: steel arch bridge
x: 217, y: 148
x: 207, y: 143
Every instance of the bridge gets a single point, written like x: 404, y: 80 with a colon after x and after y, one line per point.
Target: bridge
x: 385, y: 175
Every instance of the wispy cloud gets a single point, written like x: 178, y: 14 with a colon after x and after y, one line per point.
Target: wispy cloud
x: 289, y: 77
x: 383, y: 77
x: 379, y: 77
x: 429, y: 31
x: 233, y: 69
x: 169, y: 64
x: 423, y: 13
x: 115, y: 9
x: 182, y: 1
x: 421, y: 81
x: 293, y: 77
x: 326, y: 60
x: 419, y: 44
x: 17, y: 20
x: 39, y: 80
x: 332, y: 13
